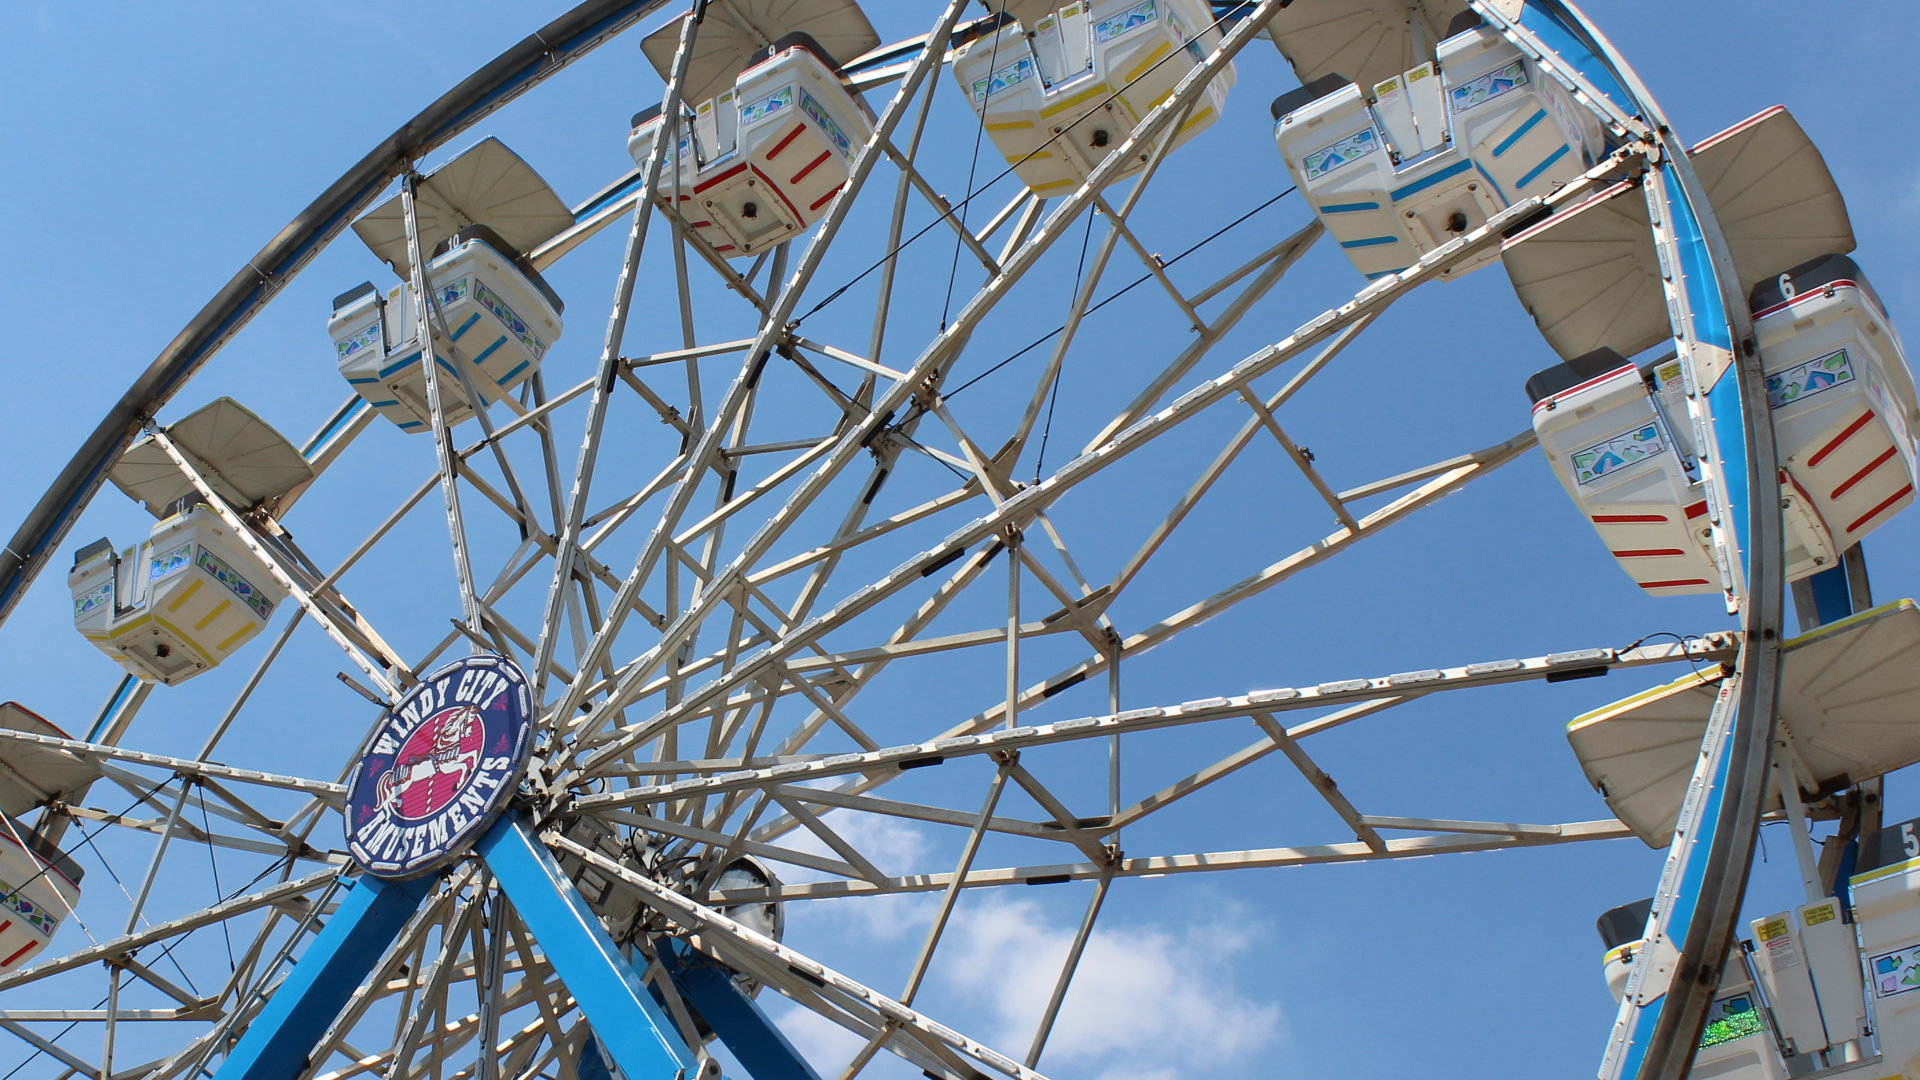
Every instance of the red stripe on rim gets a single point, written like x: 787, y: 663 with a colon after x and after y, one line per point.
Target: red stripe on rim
x: 729, y: 174
x: 1673, y: 584
x: 1550, y: 399
x: 1875, y: 512
x: 810, y: 166
x: 786, y: 139
x: 1819, y: 290
x: 1885, y: 456
x: 1806, y: 497
x: 1648, y: 553
x: 18, y: 953
x: 1815, y: 460
x: 1697, y: 509
x: 1628, y: 519
x: 825, y: 199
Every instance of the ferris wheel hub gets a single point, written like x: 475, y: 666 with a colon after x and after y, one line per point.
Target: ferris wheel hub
x: 439, y: 768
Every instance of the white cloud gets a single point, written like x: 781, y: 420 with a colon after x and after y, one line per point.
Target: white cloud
x: 1146, y: 1001
x: 888, y: 842
x: 826, y: 1045
x: 890, y: 919
x: 893, y: 845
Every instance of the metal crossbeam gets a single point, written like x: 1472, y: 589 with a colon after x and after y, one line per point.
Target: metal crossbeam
x: 1712, y: 647
x: 1199, y: 862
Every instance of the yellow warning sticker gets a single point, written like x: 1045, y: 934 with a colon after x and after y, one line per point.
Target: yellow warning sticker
x: 1772, y: 928
x: 1824, y: 913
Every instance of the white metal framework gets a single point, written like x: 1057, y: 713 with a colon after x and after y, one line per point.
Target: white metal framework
x: 772, y: 519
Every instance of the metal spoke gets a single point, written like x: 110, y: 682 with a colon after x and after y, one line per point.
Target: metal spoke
x: 713, y: 608
x: 425, y: 302
x: 665, y: 143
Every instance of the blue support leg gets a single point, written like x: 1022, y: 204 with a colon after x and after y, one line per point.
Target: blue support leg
x: 1832, y: 599
x: 279, y: 1041
x: 593, y: 1063
x: 636, y: 1033
x: 709, y: 988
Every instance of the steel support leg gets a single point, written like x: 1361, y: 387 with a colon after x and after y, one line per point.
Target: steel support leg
x: 636, y: 1033
x: 278, y: 1042
x: 593, y: 1062
x: 1823, y: 598
x: 709, y: 988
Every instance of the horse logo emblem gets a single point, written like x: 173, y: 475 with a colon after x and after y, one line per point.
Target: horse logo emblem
x: 434, y: 764
x: 439, y: 768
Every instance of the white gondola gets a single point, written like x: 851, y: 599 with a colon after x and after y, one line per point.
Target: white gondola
x: 192, y: 593
x: 38, y: 884
x: 38, y: 888
x: 1843, y: 407
x: 1060, y: 88
x: 178, y: 603
x: 1848, y: 692
x: 771, y: 129
x: 1608, y: 436
x: 761, y: 159
x: 1407, y: 162
x: 1840, y: 393
x: 479, y: 215
x: 1735, y: 1043
x: 1885, y: 894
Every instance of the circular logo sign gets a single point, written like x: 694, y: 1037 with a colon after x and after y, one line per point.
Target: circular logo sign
x: 439, y: 768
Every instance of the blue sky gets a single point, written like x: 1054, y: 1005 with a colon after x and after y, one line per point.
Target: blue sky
x: 153, y: 149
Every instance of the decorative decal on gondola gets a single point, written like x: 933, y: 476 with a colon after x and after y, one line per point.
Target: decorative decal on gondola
x: 1328, y: 158
x: 760, y: 108
x: 439, y: 768
x: 172, y: 561
x: 1730, y: 1018
x: 96, y: 597
x: 1194, y: 49
x: 1005, y: 79
x: 1622, y: 450
x: 242, y: 588
x: 1895, y: 972
x: 361, y: 340
x: 1805, y: 380
x: 1489, y: 86
x: 38, y: 918
x: 1133, y: 18
x: 514, y: 323
x: 827, y: 127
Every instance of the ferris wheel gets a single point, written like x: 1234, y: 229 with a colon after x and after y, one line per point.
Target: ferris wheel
x: 962, y: 496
